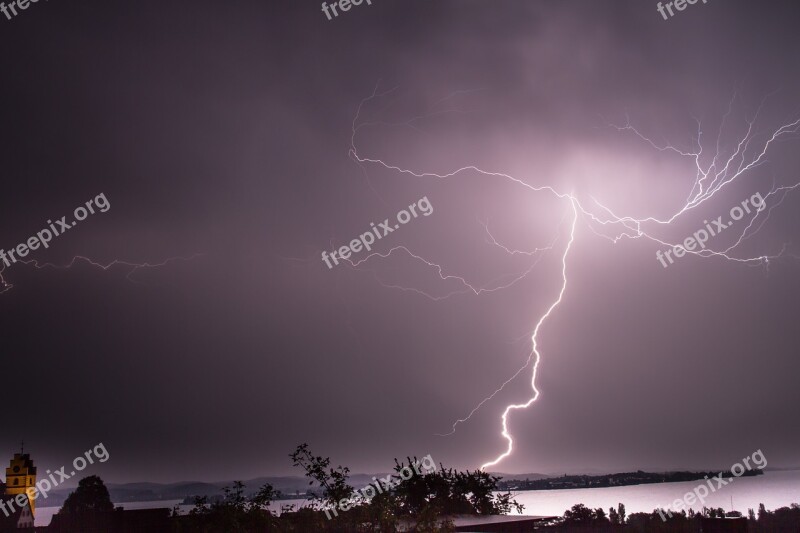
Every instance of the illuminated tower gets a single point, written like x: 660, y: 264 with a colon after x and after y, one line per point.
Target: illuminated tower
x: 21, y: 479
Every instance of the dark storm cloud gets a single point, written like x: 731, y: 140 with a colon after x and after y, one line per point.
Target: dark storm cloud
x: 225, y: 129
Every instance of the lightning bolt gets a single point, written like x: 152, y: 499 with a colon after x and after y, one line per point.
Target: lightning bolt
x: 535, y: 351
x: 132, y: 268
x: 710, y: 178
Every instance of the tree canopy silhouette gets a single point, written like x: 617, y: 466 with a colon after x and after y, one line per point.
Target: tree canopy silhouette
x: 90, y: 496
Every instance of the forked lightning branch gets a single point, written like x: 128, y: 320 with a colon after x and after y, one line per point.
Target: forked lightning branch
x: 367, y: 239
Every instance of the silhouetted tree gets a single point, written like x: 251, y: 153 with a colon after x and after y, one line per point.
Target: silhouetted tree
x: 90, y: 496
x: 332, y: 481
x: 578, y: 513
x: 762, y: 512
x: 425, y: 498
x: 235, y: 513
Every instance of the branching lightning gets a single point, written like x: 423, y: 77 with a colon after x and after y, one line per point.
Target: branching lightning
x: 710, y: 178
x: 132, y: 268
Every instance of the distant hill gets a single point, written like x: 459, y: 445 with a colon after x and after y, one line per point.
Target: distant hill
x: 289, y: 486
x: 612, y: 480
x: 509, y: 477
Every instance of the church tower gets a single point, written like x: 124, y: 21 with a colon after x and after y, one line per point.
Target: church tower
x: 21, y: 478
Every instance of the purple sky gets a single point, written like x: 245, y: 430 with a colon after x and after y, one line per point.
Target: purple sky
x: 225, y: 130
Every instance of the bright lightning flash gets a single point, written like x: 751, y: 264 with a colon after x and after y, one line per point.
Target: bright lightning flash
x: 534, y: 340
x: 709, y: 180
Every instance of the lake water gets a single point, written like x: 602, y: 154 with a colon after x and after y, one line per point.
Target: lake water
x: 773, y: 489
